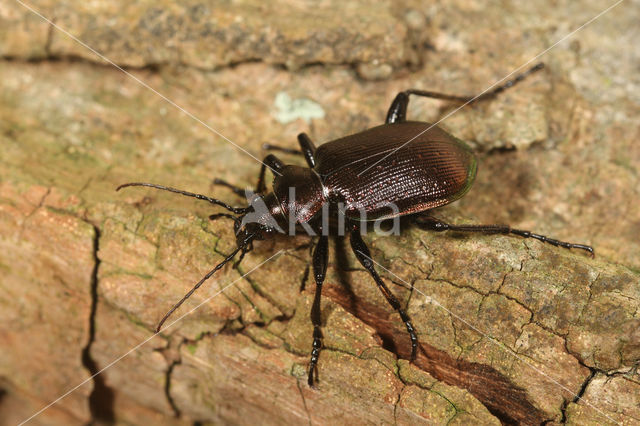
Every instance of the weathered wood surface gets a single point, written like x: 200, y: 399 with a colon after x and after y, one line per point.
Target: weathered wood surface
x: 510, y: 330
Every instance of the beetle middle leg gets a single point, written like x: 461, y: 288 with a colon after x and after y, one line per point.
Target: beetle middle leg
x: 271, y: 147
x: 398, y: 110
x: 364, y: 257
x: 431, y: 223
x: 236, y: 189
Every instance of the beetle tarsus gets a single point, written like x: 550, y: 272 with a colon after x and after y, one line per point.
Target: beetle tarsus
x: 437, y: 225
x: 552, y: 241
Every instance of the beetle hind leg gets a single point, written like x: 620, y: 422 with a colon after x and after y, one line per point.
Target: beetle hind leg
x: 398, y: 110
x: 427, y: 222
x: 364, y: 257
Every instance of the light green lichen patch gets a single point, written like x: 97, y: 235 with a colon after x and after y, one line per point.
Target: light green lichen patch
x: 289, y: 110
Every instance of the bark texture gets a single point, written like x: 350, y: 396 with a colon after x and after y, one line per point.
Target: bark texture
x: 510, y: 330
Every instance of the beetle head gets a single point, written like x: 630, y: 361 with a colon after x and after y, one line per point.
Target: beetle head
x: 262, y: 220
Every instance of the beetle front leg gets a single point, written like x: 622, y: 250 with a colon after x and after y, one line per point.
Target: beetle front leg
x: 364, y: 257
x: 307, y: 148
x: 428, y: 222
x: 275, y: 164
x: 320, y: 260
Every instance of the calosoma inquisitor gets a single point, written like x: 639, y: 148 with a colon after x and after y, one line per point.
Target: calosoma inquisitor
x: 414, y: 166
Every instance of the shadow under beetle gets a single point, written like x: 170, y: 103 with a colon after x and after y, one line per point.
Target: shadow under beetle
x: 366, y: 172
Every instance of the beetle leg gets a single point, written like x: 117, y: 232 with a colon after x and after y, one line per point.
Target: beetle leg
x: 270, y: 147
x: 440, y: 226
x: 364, y: 256
x: 236, y: 189
x: 320, y: 260
x: 308, y: 149
x: 398, y: 110
x: 275, y: 164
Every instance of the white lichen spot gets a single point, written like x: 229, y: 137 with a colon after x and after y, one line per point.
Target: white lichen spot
x: 288, y: 110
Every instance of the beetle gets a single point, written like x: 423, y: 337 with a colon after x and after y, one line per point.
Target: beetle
x: 413, y: 165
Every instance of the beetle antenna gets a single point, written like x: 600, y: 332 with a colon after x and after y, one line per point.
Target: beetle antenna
x: 237, y: 210
x: 195, y: 287
x: 218, y: 215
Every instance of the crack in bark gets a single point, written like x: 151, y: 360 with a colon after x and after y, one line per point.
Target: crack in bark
x: 405, y: 383
x: 158, y: 67
x: 456, y: 410
x: 167, y: 389
x: 32, y: 212
x: 395, y: 404
x: 577, y: 396
x: 532, y: 319
x: 168, y: 375
x: 586, y: 304
x: 77, y: 59
x: 304, y: 401
x: 49, y: 41
x: 264, y: 317
x: 101, y: 398
x: 593, y: 371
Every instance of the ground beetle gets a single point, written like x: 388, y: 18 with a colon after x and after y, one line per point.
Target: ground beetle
x: 414, y: 165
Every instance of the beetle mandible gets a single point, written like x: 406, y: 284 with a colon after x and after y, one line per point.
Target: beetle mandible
x: 365, y: 171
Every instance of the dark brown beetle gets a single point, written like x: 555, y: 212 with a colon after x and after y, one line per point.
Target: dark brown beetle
x: 413, y: 166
